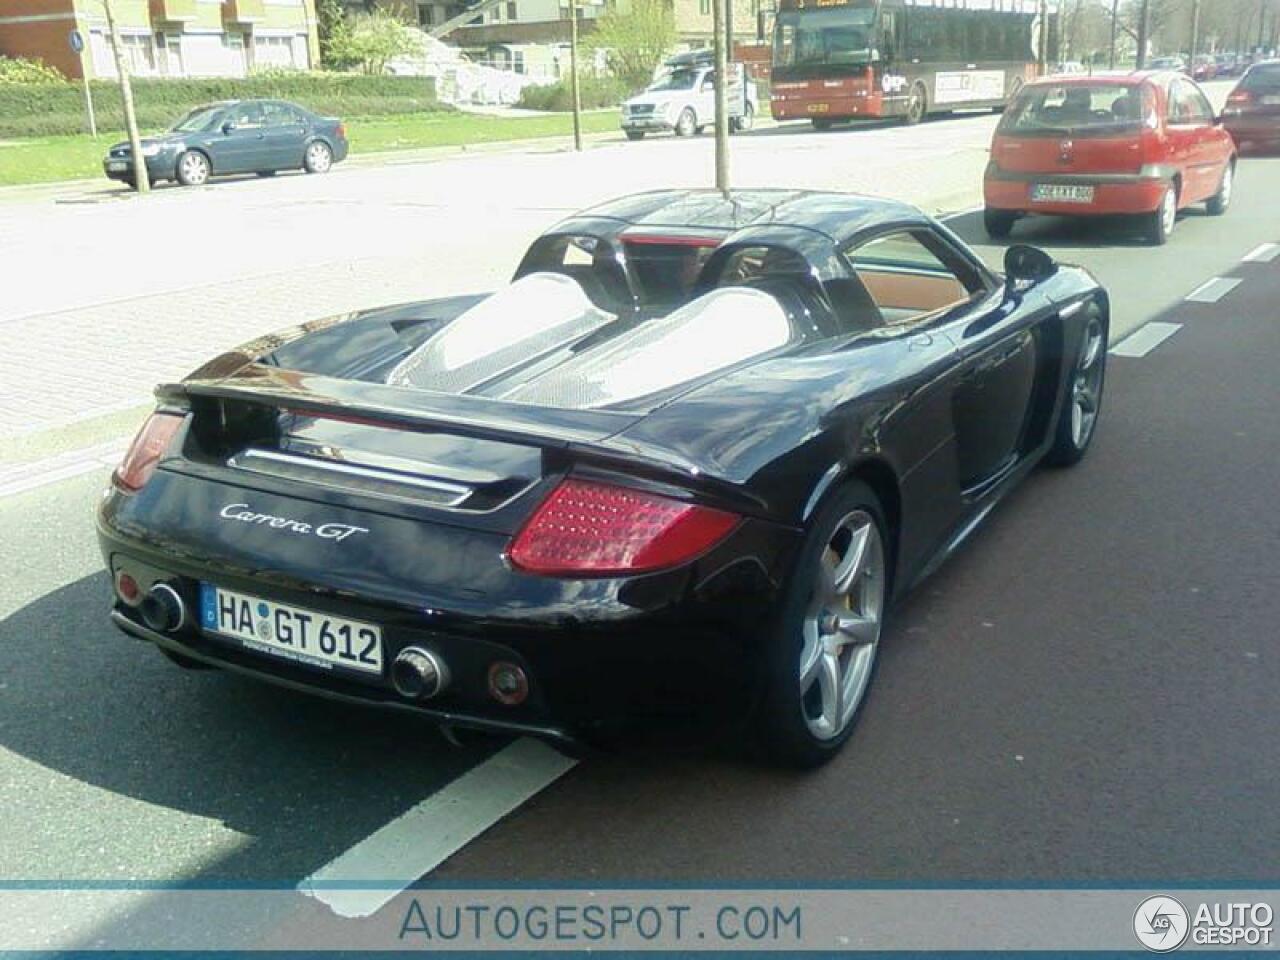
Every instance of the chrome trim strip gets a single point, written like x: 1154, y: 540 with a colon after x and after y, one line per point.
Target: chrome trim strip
x: 456, y: 492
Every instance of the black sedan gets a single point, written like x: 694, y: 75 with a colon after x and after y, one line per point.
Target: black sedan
x: 238, y: 136
x: 687, y: 457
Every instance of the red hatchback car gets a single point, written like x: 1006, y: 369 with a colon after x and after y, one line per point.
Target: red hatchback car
x: 1146, y: 144
x: 1252, y: 115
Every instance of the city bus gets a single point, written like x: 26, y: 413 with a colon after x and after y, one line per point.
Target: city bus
x: 846, y: 59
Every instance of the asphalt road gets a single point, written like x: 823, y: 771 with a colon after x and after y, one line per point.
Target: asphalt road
x: 1086, y: 692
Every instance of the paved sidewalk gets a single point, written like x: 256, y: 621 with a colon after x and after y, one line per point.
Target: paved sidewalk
x: 86, y: 333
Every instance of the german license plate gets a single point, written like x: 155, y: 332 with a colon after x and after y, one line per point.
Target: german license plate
x: 291, y: 633
x: 1061, y: 193
x: 117, y: 166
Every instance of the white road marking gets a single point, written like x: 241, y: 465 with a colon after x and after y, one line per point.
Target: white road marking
x: 1211, y: 291
x: 364, y: 879
x: 19, y: 478
x: 1262, y: 253
x: 1145, y: 339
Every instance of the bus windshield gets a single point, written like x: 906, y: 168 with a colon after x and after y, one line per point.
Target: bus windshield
x: 841, y: 36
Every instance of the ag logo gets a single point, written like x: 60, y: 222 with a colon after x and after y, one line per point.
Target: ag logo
x: 1161, y: 924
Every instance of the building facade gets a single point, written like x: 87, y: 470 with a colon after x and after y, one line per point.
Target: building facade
x: 164, y: 38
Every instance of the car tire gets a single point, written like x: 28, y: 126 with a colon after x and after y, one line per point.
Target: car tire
x: 820, y: 124
x: 635, y: 134
x: 1077, y: 423
x: 1218, y: 203
x: 1160, y: 222
x: 193, y: 169
x: 917, y: 104
x: 821, y: 649
x: 686, y: 124
x: 746, y: 121
x: 318, y: 157
x: 998, y: 223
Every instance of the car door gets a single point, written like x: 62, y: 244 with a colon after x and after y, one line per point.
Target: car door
x: 920, y: 280
x: 240, y: 145
x: 286, y: 130
x: 1190, y: 126
x: 1214, y: 145
x: 706, y: 98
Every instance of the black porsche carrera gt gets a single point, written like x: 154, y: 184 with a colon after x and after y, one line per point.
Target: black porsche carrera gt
x: 689, y: 455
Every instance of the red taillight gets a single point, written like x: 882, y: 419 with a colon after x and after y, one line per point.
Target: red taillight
x: 342, y: 131
x: 145, y: 451
x: 593, y: 529
x: 1240, y: 97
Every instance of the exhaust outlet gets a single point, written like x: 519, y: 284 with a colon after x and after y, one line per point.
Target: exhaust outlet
x: 418, y: 673
x: 162, y: 609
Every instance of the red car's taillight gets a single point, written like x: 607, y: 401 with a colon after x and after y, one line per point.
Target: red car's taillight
x: 144, y: 453
x: 593, y: 529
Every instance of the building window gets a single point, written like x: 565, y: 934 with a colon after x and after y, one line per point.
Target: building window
x: 511, y: 9
x: 704, y: 7
x: 426, y: 15
x: 518, y: 62
x: 276, y: 52
x: 139, y: 53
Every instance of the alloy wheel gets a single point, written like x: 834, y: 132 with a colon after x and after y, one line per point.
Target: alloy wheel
x: 194, y: 168
x: 1169, y: 210
x: 1087, y: 388
x: 842, y: 626
x: 319, y: 158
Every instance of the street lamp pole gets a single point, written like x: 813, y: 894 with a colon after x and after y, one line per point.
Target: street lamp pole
x: 1144, y: 15
x: 1195, y: 29
x: 722, y: 99
x: 140, y: 177
x: 1115, y: 11
x: 573, y: 74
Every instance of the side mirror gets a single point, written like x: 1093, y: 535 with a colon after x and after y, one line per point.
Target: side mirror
x: 1025, y: 266
x: 228, y: 127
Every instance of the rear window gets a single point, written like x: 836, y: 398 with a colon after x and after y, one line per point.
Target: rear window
x: 1079, y: 109
x: 665, y: 269
x: 1262, y: 78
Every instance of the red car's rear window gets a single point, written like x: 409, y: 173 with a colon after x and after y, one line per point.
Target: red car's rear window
x: 1079, y: 109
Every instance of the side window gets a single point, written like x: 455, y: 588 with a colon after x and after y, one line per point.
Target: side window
x: 1187, y: 106
x: 905, y: 278
x: 247, y: 115
x: 709, y: 83
x: 280, y: 115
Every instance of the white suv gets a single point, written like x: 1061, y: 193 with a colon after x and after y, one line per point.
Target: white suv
x: 684, y: 101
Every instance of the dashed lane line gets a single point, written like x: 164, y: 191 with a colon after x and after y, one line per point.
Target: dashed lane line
x: 1213, y: 290
x: 361, y: 881
x: 22, y: 477
x: 1145, y: 339
x: 1262, y: 253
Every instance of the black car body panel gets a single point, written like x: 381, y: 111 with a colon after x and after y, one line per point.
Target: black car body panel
x: 939, y: 416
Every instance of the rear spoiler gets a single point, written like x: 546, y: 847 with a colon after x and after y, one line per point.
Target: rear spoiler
x: 583, y: 433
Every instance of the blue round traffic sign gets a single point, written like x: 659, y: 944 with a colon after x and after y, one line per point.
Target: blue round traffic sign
x: 76, y: 39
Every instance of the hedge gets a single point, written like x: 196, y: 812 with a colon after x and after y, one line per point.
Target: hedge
x: 47, y: 109
x: 593, y: 92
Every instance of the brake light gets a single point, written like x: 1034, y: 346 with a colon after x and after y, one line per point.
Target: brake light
x: 342, y: 131
x: 1240, y: 97
x: 144, y: 453
x: 592, y: 529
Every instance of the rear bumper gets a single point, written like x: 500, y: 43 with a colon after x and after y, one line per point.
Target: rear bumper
x: 1112, y: 193
x: 1254, y: 133
x: 675, y: 644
